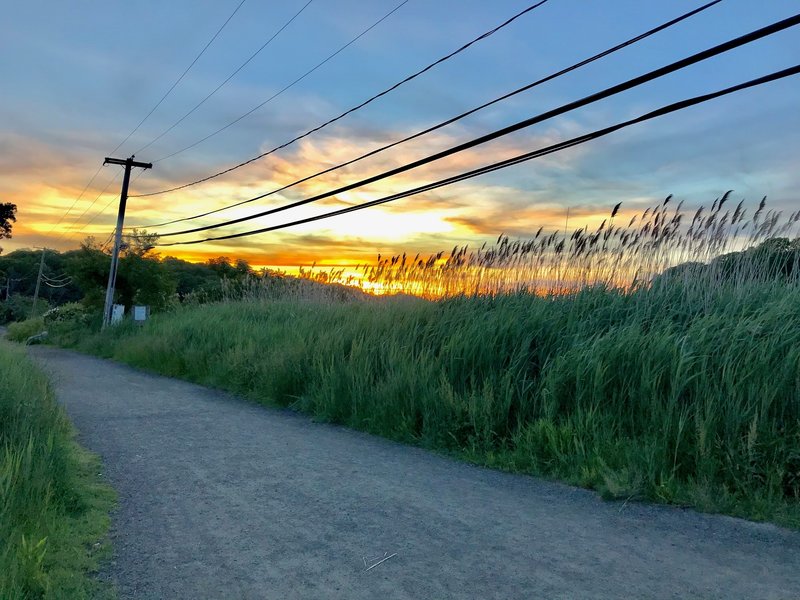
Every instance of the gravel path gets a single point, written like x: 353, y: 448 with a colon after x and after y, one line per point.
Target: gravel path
x: 224, y: 499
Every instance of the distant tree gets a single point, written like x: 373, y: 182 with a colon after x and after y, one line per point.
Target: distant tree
x: 139, y: 242
x: 190, y: 277
x: 228, y: 269
x: 144, y: 280
x: 775, y: 258
x: 8, y: 215
x: 88, y: 268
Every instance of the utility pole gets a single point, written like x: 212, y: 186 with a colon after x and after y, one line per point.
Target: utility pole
x: 128, y: 163
x: 38, y: 283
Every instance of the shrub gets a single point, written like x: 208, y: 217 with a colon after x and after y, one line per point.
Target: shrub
x: 18, y: 308
x: 73, y: 312
x: 20, y: 332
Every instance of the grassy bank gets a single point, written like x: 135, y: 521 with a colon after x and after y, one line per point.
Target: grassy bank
x: 53, y: 508
x: 679, y: 393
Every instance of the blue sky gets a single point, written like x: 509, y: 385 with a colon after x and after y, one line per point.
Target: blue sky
x: 82, y: 74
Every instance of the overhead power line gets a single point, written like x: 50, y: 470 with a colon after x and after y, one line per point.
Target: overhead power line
x: 611, y: 91
x: 292, y: 84
x: 515, y: 160
x: 60, y: 279
x: 107, y: 204
x: 391, y: 88
x: 221, y: 85
x: 147, y: 116
x: 69, y: 231
x: 61, y: 285
x: 463, y: 115
x: 77, y: 199
x: 179, y: 79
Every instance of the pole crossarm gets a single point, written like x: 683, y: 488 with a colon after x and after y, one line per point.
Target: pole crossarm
x: 126, y: 161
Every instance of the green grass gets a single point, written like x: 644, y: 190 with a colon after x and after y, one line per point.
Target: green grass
x: 22, y: 330
x: 53, y: 506
x: 682, y: 393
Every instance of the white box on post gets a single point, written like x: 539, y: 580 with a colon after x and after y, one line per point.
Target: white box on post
x: 140, y: 314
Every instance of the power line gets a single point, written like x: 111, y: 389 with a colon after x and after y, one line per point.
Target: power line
x: 439, y: 125
x: 67, y: 231
x: 221, y: 85
x: 515, y: 160
x: 74, y: 202
x: 60, y: 279
x: 57, y: 286
x: 177, y: 81
x: 147, y: 116
x: 59, y: 282
x: 103, y: 210
x: 362, y: 104
x: 296, y: 81
x: 613, y: 90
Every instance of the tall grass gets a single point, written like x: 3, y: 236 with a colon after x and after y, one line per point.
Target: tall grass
x: 658, y: 360
x: 684, y: 393
x: 53, y: 510
x: 619, y: 253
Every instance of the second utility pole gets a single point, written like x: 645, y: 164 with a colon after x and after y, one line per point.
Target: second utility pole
x: 38, y: 283
x: 128, y: 163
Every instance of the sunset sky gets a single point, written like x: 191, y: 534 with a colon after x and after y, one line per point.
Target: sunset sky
x: 78, y: 76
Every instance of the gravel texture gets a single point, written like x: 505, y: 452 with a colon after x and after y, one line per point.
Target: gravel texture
x: 220, y: 498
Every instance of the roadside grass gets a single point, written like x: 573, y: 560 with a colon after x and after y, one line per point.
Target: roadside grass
x: 682, y: 392
x: 22, y: 330
x: 53, y: 506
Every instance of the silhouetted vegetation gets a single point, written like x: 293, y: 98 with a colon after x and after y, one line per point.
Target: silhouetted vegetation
x: 82, y: 275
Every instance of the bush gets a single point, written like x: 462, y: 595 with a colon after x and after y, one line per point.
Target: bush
x: 73, y: 312
x: 18, y: 308
x: 20, y: 332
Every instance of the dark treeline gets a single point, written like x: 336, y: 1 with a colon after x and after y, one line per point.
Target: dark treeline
x: 81, y: 276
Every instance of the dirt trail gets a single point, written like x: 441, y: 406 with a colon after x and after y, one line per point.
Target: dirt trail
x: 224, y: 499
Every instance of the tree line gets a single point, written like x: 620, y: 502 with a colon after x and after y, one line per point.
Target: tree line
x: 81, y: 275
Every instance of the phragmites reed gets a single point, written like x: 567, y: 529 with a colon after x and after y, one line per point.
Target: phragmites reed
x: 611, y: 256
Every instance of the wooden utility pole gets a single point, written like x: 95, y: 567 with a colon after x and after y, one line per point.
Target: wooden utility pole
x: 38, y: 283
x: 128, y: 163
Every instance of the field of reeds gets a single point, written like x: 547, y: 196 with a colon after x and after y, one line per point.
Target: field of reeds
x: 620, y: 253
x: 53, y: 509
x: 665, y: 367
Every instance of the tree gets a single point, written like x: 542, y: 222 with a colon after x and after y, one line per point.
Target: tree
x: 88, y: 268
x: 139, y: 242
x: 8, y: 215
x: 225, y: 268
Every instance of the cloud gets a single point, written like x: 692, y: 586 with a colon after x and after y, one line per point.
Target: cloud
x: 588, y: 180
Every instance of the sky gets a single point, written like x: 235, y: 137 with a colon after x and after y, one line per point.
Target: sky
x: 78, y: 76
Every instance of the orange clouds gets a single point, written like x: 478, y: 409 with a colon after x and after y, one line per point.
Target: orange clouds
x: 464, y: 213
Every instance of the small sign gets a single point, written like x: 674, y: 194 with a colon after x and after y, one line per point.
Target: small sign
x: 140, y: 313
x: 117, y: 312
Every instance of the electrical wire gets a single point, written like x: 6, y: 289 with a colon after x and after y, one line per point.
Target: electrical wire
x: 147, y: 116
x: 276, y: 94
x: 59, y: 279
x: 177, y: 81
x: 613, y: 90
x: 71, y: 226
x: 103, y: 210
x: 221, y: 85
x: 74, y: 202
x: 48, y: 284
x: 515, y: 160
x: 365, y: 102
x: 463, y: 115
